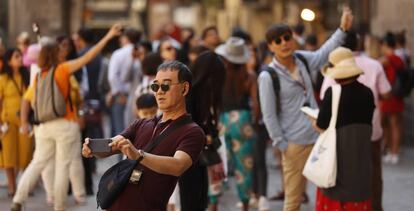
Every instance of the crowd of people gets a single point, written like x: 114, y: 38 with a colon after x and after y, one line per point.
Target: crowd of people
x: 55, y: 93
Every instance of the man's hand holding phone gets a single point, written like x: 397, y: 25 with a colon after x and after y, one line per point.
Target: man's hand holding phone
x: 99, y: 147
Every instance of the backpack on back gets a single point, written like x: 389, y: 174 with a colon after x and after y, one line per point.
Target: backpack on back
x: 404, y: 82
x: 49, y: 102
x: 276, y: 82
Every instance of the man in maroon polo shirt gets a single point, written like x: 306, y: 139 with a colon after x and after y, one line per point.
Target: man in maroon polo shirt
x: 175, y: 153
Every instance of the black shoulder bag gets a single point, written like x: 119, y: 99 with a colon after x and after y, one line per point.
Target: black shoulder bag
x: 115, y: 179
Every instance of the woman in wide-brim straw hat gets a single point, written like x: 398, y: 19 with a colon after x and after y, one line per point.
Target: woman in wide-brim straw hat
x: 240, y: 89
x: 355, y: 111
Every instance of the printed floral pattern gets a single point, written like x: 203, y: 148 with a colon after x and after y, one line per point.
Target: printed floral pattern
x: 240, y: 136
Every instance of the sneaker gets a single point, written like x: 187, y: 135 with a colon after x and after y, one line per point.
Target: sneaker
x: 394, y: 159
x: 16, y: 207
x: 263, y: 204
x: 49, y: 201
x: 239, y: 205
x: 80, y: 200
x: 387, y: 158
x: 253, y: 203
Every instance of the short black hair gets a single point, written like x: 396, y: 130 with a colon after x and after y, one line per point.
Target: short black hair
x: 146, y: 101
x: 133, y: 35
x: 184, y: 74
x: 400, y: 38
x: 146, y: 44
x: 206, y: 30
x: 351, y: 40
x: 277, y: 30
x: 150, y: 63
x: 241, y: 33
x: 311, y: 40
x: 389, y: 40
x: 87, y: 35
x: 299, y: 28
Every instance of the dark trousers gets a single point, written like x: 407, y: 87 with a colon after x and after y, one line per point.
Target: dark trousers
x: 259, y: 162
x: 89, y: 164
x: 193, y: 188
x: 376, y: 176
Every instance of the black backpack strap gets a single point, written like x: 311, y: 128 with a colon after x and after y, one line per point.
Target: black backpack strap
x: 304, y: 61
x: 174, y: 126
x: 276, y: 86
x: 70, y: 98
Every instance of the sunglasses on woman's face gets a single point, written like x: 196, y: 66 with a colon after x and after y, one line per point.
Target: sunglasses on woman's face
x: 164, y: 87
x: 286, y: 38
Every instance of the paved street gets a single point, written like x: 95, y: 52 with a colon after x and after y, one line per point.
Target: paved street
x: 398, y: 189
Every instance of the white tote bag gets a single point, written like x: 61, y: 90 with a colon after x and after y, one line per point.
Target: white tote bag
x: 321, y: 166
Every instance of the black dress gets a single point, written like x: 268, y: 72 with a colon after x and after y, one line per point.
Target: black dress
x: 193, y: 183
x: 354, y: 130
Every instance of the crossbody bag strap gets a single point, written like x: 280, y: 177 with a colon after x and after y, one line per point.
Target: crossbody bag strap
x: 174, y: 126
x: 21, y: 89
x: 336, y: 95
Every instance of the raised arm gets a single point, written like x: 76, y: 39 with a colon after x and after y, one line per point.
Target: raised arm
x: 316, y: 59
x: 78, y: 63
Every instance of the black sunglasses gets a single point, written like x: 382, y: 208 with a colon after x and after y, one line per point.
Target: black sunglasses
x: 164, y: 87
x: 285, y: 37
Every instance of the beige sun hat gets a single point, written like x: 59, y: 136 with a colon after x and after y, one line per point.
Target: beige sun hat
x: 234, y: 50
x: 341, y: 64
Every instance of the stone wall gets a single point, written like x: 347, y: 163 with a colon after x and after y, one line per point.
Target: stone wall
x: 48, y: 13
x: 394, y: 16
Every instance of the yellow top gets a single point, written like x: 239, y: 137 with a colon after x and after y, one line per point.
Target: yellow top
x: 11, y: 95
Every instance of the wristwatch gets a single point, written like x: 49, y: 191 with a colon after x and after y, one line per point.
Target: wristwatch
x: 141, y: 154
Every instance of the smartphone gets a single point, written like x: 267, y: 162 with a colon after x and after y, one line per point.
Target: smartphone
x: 100, y: 145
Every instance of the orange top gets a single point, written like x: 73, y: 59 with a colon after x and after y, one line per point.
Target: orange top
x: 62, y: 76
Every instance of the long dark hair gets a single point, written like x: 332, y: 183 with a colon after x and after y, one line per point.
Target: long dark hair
x: 8, y: 70
x: 72, y: 49
x: 206, y: 93
x: 235, y: 85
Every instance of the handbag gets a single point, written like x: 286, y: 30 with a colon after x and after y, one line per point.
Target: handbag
x: 92, y: 113
x: 321, y: 166
x: 209, y: 156
x: 115, y: 179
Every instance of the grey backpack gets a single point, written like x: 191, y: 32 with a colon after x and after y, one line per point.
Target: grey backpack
x: 49, y: 102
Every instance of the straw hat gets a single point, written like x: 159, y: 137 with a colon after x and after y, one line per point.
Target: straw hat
x: 234, y: 50
x: 341, y: 64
